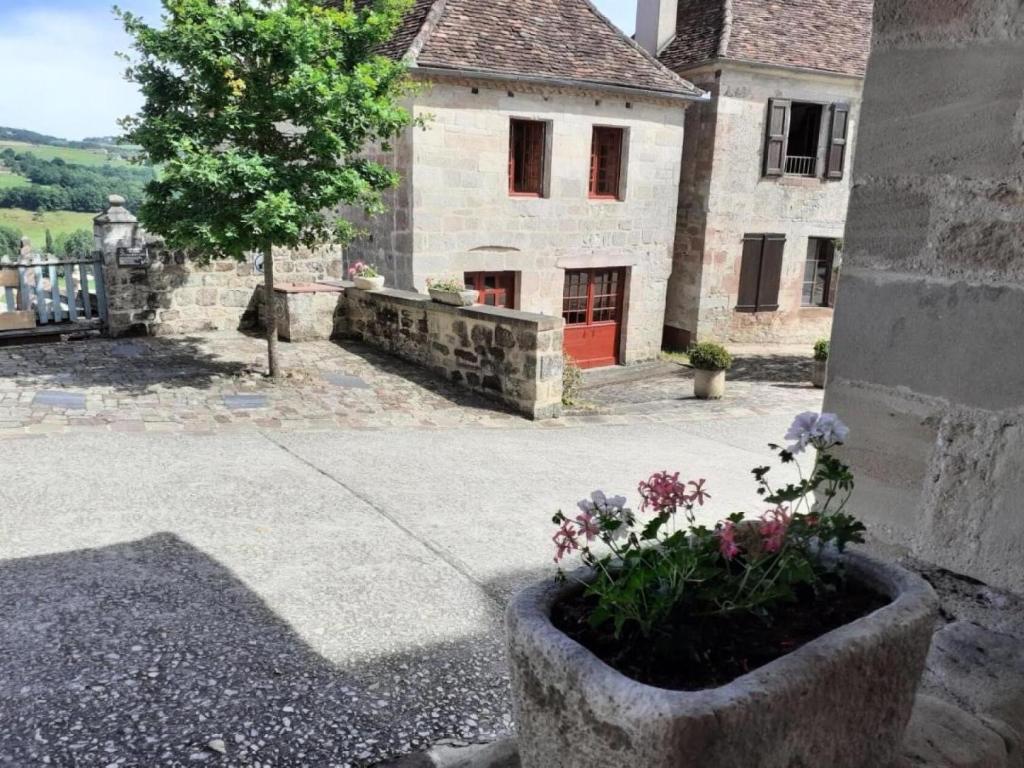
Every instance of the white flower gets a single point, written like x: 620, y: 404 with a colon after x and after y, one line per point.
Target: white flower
x: 608, y: 508
x: 820, y: 430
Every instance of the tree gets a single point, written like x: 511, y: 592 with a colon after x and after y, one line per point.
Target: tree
x: 258, y: 112
x: 48, y: 248
x: 10, y: 241
x: 72, y: 244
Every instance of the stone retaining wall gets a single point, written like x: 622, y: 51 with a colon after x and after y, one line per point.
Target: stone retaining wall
x: 513, y: 356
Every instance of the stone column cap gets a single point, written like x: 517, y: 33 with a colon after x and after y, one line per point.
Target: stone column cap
x: 116, y: 213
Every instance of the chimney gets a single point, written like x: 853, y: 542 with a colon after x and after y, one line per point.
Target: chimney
x: 655, y: 23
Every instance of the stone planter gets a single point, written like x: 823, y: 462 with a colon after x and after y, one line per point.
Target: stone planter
x: 369, y: 283
x: 466, y: 298
x: 818, y: 373
x: 709, y: 385
x: 842, y: 700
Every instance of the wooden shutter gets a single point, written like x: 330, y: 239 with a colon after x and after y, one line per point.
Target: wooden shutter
x: 526, y: 158
x: 771, y: 273
x: 605, y: 162
x: 776, y: 134
x: 837, y: 140
x: 750, y: 271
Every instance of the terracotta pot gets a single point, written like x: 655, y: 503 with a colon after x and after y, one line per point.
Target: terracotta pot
x: 818, y: 373
x: 709, y: 385
x: 369, y: 283
x: 466, y: 298
x: 841, y: 701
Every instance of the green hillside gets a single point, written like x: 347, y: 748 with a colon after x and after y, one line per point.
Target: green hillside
x: 34, y: 226
x: 91, y: 157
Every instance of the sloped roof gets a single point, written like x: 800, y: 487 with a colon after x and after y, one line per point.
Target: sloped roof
x: 533, y: 39
x: 828, y: 35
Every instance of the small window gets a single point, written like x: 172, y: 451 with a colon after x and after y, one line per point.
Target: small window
x: 794, y: 134
x: 818, y: 278
x: 497, y: 289
x: 606, y: 163
x: 760, y: 273
x: 526, y: 158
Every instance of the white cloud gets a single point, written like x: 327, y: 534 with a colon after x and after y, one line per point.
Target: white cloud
x: 59, y: 74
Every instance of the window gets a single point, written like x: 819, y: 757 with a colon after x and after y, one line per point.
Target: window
x: 794, y: 139
x: 760, y: 273
x: 605, y: 162
x: 819, y: 289
x: 526, y: 158
x: 497, y: 289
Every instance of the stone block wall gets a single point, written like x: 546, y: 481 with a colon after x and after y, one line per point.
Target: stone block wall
x: 927, y: 359
x: 512, y: 356
x: 176, y: 293
x: 729, y: 196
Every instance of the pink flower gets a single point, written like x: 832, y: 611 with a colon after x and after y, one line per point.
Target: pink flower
x: 351, y: 271
x: 663, y: 492
x: 565, y: 541
x: 774, y: 525
x: 699, y: 494
x: 727, y: 540
x: 588, y: 525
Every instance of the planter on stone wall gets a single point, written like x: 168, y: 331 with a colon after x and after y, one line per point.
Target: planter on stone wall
x: 369, y: 283
x: 842, y: 700
x: 818, y: 373
x: 709, y: 385
x: 465, y: 298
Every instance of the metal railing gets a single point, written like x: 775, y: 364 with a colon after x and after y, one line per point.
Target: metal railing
x: 797, y: 165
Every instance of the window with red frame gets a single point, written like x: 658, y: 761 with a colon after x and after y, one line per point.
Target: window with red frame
x: 606, y: 162
x: 526, y: 158
x: 497, y: 289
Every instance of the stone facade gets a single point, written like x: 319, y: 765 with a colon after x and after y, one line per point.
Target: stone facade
x: 174, y: 293
x: 453, y: 212
x: 724, y: 195
x: 927, y: 364
x: 512, y: 356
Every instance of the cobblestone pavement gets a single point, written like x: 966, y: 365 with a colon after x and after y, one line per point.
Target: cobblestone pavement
x: 214, y: 382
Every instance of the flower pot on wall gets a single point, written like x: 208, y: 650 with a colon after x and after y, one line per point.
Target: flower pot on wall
x: 709, y: 385
x: 818, y: 373
x: 369, y: 283
x: 842, y: 700
x: 466, y: 298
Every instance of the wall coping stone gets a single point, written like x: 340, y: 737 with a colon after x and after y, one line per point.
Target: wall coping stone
x: 307, y: 288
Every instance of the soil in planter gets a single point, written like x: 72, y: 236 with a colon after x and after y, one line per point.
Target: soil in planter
x: 706, y: 652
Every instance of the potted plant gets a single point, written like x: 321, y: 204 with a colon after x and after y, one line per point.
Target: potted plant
x: 749, y: 643
x: 366, y: 277
x: 451, y: 290
x: 711, y: 361
x: 820, y: 363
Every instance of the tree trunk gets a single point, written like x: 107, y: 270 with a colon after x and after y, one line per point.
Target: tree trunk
x: 270, y: 301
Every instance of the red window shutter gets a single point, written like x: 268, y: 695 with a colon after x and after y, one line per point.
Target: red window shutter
x: 837, y: 140
x: 776, y: 134
x: 771, y: 273
x: 606, y: 162
x: 750, y: 271
x: 595, y: 160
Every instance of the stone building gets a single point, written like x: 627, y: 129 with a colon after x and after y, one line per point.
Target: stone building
x: 547, y: 175
x: 766, y: 163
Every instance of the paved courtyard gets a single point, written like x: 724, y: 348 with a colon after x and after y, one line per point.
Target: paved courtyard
x: 311, y: 575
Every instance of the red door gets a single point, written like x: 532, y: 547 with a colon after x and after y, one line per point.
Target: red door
x: 592, y: 309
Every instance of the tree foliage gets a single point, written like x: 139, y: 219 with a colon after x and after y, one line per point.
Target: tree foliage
x: 258, y: 112
x: 10, y: 240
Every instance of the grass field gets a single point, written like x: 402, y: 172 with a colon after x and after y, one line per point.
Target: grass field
x: 55, y: 221
x: 68, y: 154
x: 10, y: 180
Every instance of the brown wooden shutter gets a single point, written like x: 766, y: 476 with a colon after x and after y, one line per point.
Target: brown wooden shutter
x: 750, y: 271
x: 837, y: 140
x: 771, y: 273
x: 595, y: 159
x: 776, y: 134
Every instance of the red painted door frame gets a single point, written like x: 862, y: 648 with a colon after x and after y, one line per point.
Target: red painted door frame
x: 593, y: 329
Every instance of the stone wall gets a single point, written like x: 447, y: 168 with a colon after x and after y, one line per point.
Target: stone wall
x: 717, y: 210
x: 463, y: 218
x: 927, y: 355
x: 512, y: 356
x: 173, y: 292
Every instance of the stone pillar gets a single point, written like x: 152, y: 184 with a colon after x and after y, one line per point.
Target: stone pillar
x: 927, y: 362
x: 115, y: 228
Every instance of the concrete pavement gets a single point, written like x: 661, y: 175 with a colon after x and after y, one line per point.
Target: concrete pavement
x: 323, y: 598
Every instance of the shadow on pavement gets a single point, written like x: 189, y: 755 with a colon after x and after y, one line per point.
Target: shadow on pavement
x: 150, y: 653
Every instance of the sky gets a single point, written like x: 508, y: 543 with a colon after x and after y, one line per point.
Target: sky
x: 59, y: 75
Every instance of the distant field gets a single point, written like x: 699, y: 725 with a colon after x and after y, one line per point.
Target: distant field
x: 68, y: 154
x: 9, y: 180
x: 55, y: 221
